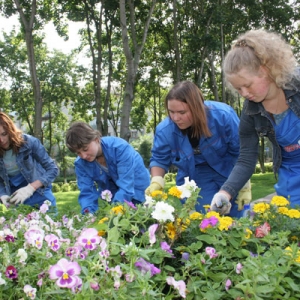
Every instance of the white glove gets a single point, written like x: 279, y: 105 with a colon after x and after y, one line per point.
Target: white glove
x: 19, y: 196
x: 4, y: 199
x: 220, y: 203
x: 157, y: 183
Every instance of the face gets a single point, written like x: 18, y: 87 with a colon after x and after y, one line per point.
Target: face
x: 253, y: 86
x: 90, y: 151
x: 180, y: 114
x: 4, y: 138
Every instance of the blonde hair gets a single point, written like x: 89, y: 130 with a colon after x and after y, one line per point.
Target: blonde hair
x: 189, y: 93
x: 257, y: 48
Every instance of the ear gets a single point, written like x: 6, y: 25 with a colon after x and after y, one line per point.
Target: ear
x: 263, y: 71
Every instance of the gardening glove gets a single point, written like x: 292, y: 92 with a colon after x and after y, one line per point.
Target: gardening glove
x: 244, y: 196
x: 157, y: 183
x: 221, y: 204
x: 4, y: 199
x: 19, y: 196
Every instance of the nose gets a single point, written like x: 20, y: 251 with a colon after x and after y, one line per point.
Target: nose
x: 244, y: 92
x: 175, y: 117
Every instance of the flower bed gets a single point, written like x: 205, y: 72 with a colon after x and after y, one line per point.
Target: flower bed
x: 159, y: 250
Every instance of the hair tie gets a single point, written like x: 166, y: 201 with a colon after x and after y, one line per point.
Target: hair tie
x: 241, y: 43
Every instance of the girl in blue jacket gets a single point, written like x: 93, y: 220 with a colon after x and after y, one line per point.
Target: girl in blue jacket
x: 105, y: 163
x: 198, y: 137
x: 26, y: 169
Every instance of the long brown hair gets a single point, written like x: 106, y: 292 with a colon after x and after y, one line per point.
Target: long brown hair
x: 189, y: 93
x: 14, y: 134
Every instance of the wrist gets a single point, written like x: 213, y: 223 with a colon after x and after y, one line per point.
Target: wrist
x: 228, y: 196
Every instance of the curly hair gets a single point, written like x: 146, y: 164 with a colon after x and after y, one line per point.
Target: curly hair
x: 189, y: 93
x: 15, y: 135
x: 257, y: 48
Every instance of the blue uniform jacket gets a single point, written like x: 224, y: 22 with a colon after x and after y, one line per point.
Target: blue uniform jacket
x: 34, y: 164
x: 220, y: 150
x: 127, y: 176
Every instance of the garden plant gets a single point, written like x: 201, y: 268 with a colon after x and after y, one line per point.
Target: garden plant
x: 162, y: 249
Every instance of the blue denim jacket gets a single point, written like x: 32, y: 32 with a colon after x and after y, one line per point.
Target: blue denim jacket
x: 255, y: 122
x: 220, y: 151
x: 34, y: 164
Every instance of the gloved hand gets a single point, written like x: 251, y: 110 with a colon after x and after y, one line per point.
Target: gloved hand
x: 221, y: 203
x: 4, y: 199
x: 244, y: 196
x: 19, y: 196
x: 157, y: 183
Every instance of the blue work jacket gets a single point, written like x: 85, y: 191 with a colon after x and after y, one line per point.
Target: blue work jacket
x: 220, y: 151
x: 256, y: 122
x: 127, y: 176
x: 34, y: 164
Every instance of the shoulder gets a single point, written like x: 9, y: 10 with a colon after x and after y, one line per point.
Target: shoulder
x: 219, y: 108
x: 113, y: 141
x: 167, y: 123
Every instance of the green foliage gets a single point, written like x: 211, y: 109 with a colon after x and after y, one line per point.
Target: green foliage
x: 65, y: 187
x: 55, y: 188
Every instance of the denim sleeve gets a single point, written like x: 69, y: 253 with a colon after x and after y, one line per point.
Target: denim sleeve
x: 246, y: 162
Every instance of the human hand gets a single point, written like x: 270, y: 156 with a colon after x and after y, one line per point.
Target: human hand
x: 221, y: 203
x: 19, y: 196
x: 4, y: 199
x: 157, y: 184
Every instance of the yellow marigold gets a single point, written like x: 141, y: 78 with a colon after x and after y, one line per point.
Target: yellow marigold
x: 118, y: 210
x: 248, y: 233
x: 206, y: 207
x: 183, y: 225
x: 225, y: 223
x: 196, y: 216
x: 279, y: 201
x: 101, y: 232
x: 283, y: 210
x: 294, y: 238
x: 103, y: 220
x: 174, y: 191
x: 261, y: 207
x: 171, y: 231
x: 293, y: 213
x: 212, y: 213
x: 159, y: 194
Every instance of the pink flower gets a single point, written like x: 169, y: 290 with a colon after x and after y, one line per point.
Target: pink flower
x: 44, y: 208
x: 30, y: 291
x: 53, y: 241
x: 65, y: 272
x: 227, y: 284
x: 130, y: 204
x: 145, y: 267
x: 94, y: 285
x: 152, y: 229
x: 89, y: 238
x: 211, y: 252
x: 166, y: 247
x: 106, y: 195
x: 34, y: 236
x: 238, y: 268
x: 210, y: 222
x: 11, y: 272
x: 262, y: 230
x: 178, y: 285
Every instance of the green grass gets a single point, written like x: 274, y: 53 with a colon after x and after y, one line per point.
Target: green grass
x: 262, y: 185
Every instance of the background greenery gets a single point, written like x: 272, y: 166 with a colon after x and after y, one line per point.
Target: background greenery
x: 262, y: 185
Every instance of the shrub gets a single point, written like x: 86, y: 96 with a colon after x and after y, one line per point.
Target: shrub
x: 55, y: 188
x: 65, y: 187
x: 73, y: 186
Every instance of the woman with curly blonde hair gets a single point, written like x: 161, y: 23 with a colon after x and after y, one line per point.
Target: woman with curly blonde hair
x: 261, y: 67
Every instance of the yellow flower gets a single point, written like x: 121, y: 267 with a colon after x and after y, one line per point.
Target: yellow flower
x: 248, y: 233
x: 261, y: 207
x: 118, y: 210
x: 3, y: 208
x: 101, y: 232
x: 103, y: 220
x: 207, y: 207
x: 279, y: 201
x: 293, y: 213
x: 171, y: 231
x: 174, y: 191
x: 183, y: 225
x: 160, y: 194
x: 225, y: 223
x: 212, y: 213
x: 196, y: 216
x: 289, y: 252
x: 283, y: 210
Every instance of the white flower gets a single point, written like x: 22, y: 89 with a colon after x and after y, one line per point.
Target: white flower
x: 149, y: 201
x: 30, y: 291
x: 2, y: 281
x: 22, y: 254
x: 187, y: 188
x: 163, y: 212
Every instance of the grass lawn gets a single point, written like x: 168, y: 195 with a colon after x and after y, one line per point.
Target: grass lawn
x: 262, y: 185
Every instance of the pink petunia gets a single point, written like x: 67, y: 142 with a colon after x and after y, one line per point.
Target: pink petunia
x: 65, y: 272
x: 178, y: 285
x: 228, y: 284
x: 34, y: 237
x: 211, y: 252
x: 152, y: 229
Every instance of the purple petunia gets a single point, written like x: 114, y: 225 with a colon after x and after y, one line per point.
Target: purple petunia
x: 146, y: 267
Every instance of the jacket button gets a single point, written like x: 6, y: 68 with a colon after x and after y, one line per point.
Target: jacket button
x: 290, y: 100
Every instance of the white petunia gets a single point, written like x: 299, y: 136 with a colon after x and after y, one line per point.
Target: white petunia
x: 163, y: 212
x: 187, y: 188
x: 149, y: 201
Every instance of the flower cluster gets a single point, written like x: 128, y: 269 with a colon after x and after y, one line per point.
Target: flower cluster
x: 160, y: 249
